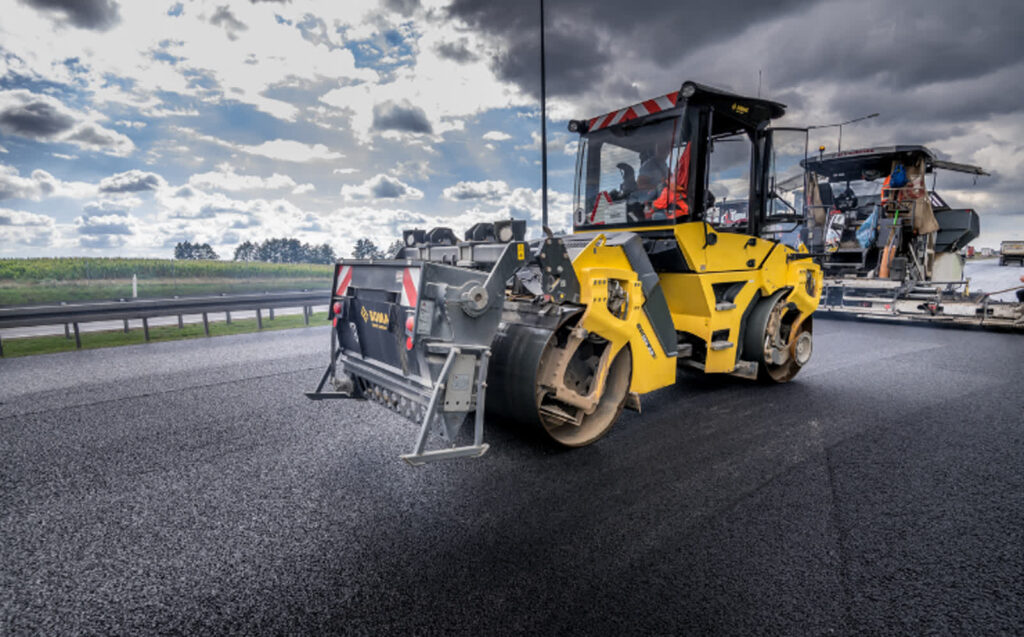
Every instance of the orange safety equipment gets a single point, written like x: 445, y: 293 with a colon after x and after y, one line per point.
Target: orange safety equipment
x: 672, y: 199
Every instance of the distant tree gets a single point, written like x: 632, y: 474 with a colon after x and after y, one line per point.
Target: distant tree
x: 187, y: 251
x: 183, y: 250
x: 323, y: 253
x: 285, y: 250
x: 281, y: 251
x: 393, y: 249
x: 246, y: 251
x: 204, y: 252
x: 366, y: 249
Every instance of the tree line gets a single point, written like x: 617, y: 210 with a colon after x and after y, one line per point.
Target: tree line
x: 284, y: 251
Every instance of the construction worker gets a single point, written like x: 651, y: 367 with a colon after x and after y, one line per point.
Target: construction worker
x: 672, y: 200
x: 653, y: 171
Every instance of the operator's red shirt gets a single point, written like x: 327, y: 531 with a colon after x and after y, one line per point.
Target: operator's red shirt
x: 672, y: 200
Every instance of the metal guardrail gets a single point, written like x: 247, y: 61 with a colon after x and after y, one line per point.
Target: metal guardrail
x: 71, y: 314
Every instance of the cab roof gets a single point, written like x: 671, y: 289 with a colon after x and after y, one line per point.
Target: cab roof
x: 750, y: 111
x: 854, y: 164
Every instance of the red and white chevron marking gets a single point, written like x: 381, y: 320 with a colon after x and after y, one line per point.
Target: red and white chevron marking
x: 648, y: 107
x: 410, y: 291
x: 344, y: 279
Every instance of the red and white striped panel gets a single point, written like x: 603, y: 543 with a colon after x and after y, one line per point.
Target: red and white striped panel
x: 602, y: 200
x: 410, y: 287
x: 344, y: 279
x: 648, y: 107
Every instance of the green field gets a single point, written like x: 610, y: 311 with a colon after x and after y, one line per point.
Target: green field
x: 94, y: 340
x: 32, y: 281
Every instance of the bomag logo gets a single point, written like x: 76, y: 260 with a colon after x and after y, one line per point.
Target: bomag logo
x: 739, y: 108
x: 375, y: 318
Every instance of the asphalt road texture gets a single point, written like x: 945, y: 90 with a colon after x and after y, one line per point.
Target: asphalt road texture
x: 189, y: 487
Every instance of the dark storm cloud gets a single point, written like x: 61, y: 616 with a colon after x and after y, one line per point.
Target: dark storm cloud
x: 131, y: 181
x: 456, y: 52
x: 403, y: 7
x: 86, y: 14
x: 938, y: 41
x: 35, y: 119
x: 224, y: 17
x: 401, y: 117
x: 584, y: 38
x: 608, y: 47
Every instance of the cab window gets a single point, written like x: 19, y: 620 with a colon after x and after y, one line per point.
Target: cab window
x: 629, y: 174
x: 729, y: 163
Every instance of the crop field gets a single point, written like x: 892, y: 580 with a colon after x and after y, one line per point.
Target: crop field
x: 30, y: 281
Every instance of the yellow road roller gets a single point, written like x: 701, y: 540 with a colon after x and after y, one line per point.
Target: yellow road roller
x: 667, y: 267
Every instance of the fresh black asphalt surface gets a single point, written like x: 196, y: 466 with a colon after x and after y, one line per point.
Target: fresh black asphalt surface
x: 190, y: 488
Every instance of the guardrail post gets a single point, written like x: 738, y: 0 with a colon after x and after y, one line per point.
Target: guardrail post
x: 259, y: 319
x: 145, y: 328
x: 126, y: 326
x: 227, y: 316
x: 271, y: 310
x: 305, y: 314
x: 1, y: 348
x: 181, y: 323
x: 78, y: 338
x: 67, y: 330
x: 206, y: 324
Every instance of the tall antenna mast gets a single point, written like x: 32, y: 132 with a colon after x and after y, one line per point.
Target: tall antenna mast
x: 543, y: 126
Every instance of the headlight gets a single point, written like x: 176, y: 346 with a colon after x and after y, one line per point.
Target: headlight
x: 505, y: 233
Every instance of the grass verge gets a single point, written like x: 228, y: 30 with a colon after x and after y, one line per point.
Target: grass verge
x: 95, y: 340
x: 42, y: 292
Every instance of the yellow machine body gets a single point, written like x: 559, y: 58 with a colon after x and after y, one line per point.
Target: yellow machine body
x: 759, y: 267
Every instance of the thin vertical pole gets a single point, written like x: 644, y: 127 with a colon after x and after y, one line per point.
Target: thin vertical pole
x: 259, y: 319
x: 78, y: 337
x: 206, y: 324
x: 145, y: 328
x: 543, y: 125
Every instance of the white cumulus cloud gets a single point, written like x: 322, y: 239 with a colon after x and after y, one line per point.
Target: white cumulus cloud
x: 476, y: 190
x: 224, y: 177
x: 381, y: 187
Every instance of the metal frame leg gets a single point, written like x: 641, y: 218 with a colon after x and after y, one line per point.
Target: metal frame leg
x: 478, y: 448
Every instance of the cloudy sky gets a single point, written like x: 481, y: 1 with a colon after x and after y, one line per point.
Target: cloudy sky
x: 126, y: 127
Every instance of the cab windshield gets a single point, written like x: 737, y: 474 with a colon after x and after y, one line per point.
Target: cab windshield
x: 633, y: 174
